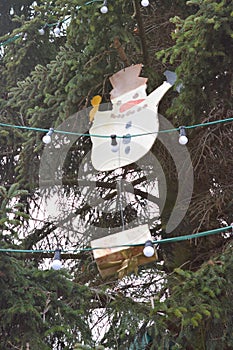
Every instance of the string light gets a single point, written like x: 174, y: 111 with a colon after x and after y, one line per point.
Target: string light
x: 41, y: 31
x: 114, y: 144
x: 4, y: 43
x: 145, y: 3
x: 161, y: 241
x: 148, y: 250
x: 104, y: 8
x: 57, y: 29
x: 183, y: 140
x: 226, y: 120
x: 47, y: 138
x: 57, y: 264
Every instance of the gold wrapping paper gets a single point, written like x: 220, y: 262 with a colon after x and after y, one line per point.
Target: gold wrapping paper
x: 122, y: 261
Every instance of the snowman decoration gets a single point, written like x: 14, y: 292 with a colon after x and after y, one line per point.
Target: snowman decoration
x: 123, y: 135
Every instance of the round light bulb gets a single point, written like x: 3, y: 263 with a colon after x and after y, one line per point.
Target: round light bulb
x: 41, y: 31
x: 148, y: 251
x: 46, y: 139
x: 56, y: 264
x: 145, y: 3
x: 183, y: 140
x: 115, y: 148
x: 57, y: 31
x: 104, y: 9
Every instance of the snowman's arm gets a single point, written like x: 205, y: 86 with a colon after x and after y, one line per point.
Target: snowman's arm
x: 156, y: 95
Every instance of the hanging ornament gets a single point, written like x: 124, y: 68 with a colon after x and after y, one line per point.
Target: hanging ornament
x: 122, y: 259
x: 133, y: 112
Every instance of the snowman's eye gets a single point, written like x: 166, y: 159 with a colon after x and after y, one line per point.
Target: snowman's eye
x: 136, y: 95
x: 119, y: 103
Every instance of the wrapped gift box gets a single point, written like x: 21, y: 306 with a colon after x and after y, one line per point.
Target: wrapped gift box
x: 122, y: 260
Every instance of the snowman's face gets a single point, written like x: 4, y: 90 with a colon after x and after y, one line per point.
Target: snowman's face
x: 130, y: 99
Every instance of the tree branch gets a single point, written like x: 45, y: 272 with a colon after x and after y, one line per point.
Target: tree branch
x: 117, y: 45
x: 142, y: 33
x: 108, y: 185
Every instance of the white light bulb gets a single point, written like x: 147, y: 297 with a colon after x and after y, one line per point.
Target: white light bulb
x: 145, y: 3
x: 57, y: 31
x: 56, y: 265
x: 183, y: 140
x: 46, y: 139
x: 115, y: 148
x: 148, y: 251
x: 104, y: 9
x: 41, y: 31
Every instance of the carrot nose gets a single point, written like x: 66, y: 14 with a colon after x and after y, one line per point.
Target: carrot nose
x: 129, y: 104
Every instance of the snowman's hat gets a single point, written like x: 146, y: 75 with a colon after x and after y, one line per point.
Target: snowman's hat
x: 126, y: 80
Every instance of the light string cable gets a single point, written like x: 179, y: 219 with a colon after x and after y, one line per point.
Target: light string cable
x: 155, y: 242
x: 17, y: 36
x: 226, y: 120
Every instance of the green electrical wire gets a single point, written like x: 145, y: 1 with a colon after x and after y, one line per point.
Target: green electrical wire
x: 226, y: 120
x: 45, y: 130
x: 195, y: 235
x: 108, y: 136
x: 161, y: 241
x: 62, y: 21
x: 4, y: 43
x: 210, y: 123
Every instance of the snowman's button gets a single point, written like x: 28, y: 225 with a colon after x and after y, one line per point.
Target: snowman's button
x: 145, y: 106
x: 126, y: 139
x: 139, y: 109
x: 127, y: 150
x: 128, y: 124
